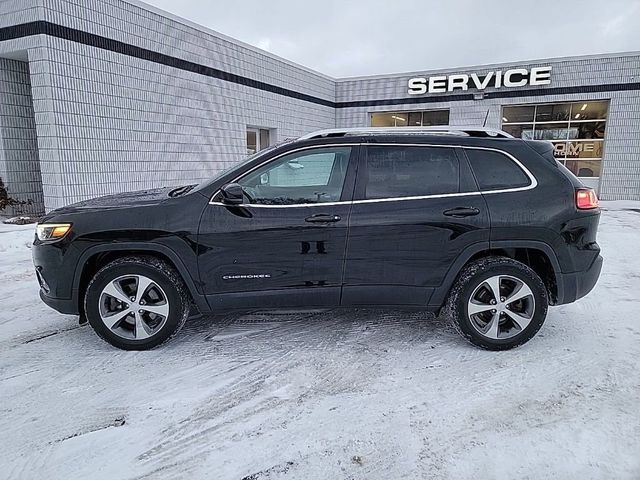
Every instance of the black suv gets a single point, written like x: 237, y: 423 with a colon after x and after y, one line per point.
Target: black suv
x: 484, y: 228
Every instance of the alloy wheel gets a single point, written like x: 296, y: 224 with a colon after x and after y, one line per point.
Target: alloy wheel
x: 501, y: 307
x: 133, y: 307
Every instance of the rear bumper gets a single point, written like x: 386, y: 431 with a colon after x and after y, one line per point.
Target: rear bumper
x: 577, y: 284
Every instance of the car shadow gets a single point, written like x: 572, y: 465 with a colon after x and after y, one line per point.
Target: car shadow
x: 311, y: 328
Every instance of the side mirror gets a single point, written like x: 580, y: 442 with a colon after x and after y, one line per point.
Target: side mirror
x: 232, y: 194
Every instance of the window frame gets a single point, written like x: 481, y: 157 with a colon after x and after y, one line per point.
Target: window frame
x: 349, y: 190
x: 464, y: 164
x: 363, y: 170
x: 511, y: 158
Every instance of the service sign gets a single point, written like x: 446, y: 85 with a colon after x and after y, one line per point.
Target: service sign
x: 514, y: 77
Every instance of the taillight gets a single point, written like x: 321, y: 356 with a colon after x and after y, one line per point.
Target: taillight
x: 586, y: 199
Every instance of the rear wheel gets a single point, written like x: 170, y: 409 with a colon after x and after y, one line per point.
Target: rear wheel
x: 136, y: 303
x: 497, y: 303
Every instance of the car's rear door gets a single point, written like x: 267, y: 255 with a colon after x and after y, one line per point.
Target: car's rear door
x: 416, y: 208
x: 285, y: 246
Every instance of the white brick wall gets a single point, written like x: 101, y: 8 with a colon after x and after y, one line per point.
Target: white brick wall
x: 19, y: 163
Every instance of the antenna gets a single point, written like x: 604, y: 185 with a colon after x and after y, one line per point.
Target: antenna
x: 484, y: 124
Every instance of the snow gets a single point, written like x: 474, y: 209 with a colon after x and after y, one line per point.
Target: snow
x: 334, y: 394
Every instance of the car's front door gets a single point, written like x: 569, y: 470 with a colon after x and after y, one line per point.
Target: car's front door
x: 285, y: 245
x: 416, y: 208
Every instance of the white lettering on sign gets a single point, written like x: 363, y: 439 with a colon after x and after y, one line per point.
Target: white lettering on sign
x: 521, y: 73
x: 458, y: 81
x: 574, y: 149
x: 437, y: 84
x: 417, y: 86
x: 481, y: 84
x: 540, y: 76
x: 514, y: 77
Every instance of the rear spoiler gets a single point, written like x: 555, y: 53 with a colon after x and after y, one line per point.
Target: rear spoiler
x: 543, y: 148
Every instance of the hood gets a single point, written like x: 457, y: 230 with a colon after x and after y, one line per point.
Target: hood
x: 126, y: 200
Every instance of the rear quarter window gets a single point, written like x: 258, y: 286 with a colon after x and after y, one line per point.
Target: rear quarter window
x: 494, y: 170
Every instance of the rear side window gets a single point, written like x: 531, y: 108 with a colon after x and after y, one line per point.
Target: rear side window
x: 494, y: 170
x: 397, y: 171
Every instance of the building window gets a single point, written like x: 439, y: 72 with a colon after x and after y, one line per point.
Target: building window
x: 577, y: 131
x: 425, y: 118
x: 257, y: 139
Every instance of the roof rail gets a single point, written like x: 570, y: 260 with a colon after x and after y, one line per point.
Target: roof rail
x: 468, y: 131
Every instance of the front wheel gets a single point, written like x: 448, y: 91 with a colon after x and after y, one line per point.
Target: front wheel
x: 136, y: 302
x: 497, y: 303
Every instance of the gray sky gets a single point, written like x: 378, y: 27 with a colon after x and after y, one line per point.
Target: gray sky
x: 349, y: 38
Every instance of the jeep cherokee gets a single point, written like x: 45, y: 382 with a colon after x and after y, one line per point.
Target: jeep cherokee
x: 484, y: 228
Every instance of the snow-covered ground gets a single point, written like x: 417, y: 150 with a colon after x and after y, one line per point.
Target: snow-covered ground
x: 360, y: 394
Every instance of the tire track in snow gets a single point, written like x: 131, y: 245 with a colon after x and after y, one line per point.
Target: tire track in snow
x: 329, y: 379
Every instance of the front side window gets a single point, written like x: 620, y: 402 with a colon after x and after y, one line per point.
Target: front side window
x: 306, y: 177
x: 495, y: 171
x: 409, y: 171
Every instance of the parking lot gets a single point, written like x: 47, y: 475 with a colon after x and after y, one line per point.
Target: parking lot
x: 361, y: 394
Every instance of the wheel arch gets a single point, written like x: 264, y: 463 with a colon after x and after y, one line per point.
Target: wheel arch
x: 97, y: 256
x: 539, y: 256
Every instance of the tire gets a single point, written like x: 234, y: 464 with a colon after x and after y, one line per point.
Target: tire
x: 473, y: 315
x: 129, y: 320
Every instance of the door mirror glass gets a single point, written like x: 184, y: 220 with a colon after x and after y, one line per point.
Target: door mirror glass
x: 232, y: 194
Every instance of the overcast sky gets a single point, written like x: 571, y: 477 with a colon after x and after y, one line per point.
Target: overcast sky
x: 349, y: 38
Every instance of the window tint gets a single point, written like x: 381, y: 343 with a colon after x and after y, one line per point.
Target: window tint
x: 310, y: 176
x: 494, y: 170
x: 410, y: 171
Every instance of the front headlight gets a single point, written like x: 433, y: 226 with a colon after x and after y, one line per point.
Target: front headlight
x: 52, y: 231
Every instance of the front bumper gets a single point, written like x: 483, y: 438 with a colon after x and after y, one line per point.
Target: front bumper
x: 577, y: 284
x: 63, y: 305
x: 55, y: 264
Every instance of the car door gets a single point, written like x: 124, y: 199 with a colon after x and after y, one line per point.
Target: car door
x: 416, y: 208
x: 285, y: 245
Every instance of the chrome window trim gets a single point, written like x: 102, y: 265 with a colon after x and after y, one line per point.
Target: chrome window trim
x: 533, y: 182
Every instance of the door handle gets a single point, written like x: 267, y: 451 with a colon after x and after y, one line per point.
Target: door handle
x: 461, y: 212
x: 323, y: 218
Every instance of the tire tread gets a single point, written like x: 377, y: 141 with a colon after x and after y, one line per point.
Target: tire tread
x: 164, y: 268
x: 453, y: 309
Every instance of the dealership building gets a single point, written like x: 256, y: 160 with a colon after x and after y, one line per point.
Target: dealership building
x: 122, y: 96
